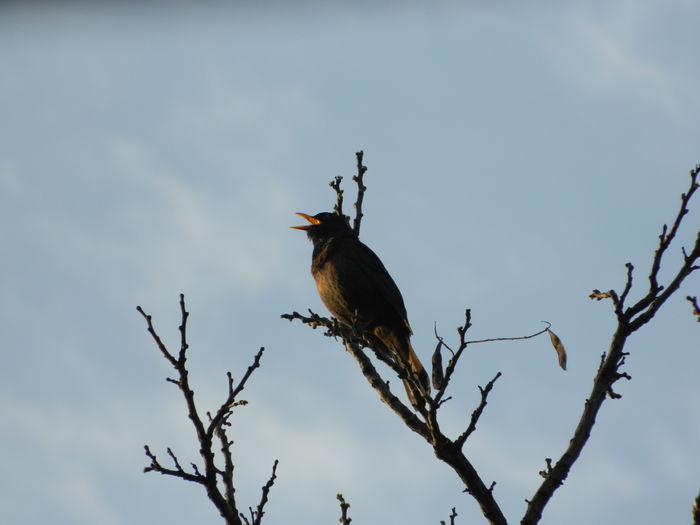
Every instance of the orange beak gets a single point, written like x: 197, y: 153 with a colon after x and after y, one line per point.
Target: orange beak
x: 309, y: 218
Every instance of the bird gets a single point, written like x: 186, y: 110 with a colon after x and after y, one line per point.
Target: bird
x: 357, y: 289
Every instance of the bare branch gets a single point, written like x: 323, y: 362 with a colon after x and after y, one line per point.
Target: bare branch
x: 344, y: 506
x: 667, y: 236
x: 224, y: 502
x: 227, y: 474
x: 260, y: 511
x: 183, y: 331
x: 463, y: 343
x: 159, y: 343
x: 654, y: 297
x: 335, y: 184
x: 337, y: 330
x: 628, y: 287
x: 361, y: 188
x: 477, y: 413
x: 177, y: 472
x: 385, y: 394
x: 426, y: 423
x: 611, y: 362
x: 444, y: 448
x: 452, y: 364
x: 453, y: 515
x: 519, y: 338
x: 233, y: 392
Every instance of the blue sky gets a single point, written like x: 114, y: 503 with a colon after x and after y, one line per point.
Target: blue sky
x: 518, y: 157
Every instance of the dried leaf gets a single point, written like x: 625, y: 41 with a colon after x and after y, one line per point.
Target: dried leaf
x: 559, y: 347
x: 438, y: 375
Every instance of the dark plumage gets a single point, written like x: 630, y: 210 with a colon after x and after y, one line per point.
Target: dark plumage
x: 356, y: 288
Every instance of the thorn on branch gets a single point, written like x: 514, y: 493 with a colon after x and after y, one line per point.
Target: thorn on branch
x: 612, y: 394
x: 547, y: 471
x: 664, y: 229
x: 230, y: 383
x: 453, y: 515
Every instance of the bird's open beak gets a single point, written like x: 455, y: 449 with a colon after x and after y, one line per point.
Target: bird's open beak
x: 314, y: 221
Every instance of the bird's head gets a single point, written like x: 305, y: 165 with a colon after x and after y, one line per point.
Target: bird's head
x: 324, y: 226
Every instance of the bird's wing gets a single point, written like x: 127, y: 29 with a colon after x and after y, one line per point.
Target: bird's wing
x: 372, y: 272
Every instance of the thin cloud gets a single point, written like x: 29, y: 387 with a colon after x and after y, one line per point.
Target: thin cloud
x: 604, y: 59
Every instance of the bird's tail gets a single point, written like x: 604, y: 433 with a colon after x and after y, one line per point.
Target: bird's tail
x: 416, y: 398
x: 399, y: 347
x: 417, y: 368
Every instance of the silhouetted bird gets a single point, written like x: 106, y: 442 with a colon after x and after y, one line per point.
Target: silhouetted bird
x: 359, y: 292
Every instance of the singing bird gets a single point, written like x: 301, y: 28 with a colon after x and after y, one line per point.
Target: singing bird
x: 356, y: 288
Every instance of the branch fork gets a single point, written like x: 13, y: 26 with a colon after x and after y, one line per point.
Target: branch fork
x: 222, y: 497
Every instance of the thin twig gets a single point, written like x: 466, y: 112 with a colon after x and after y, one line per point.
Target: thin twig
x: 344, y: 506
x: 361, y: 188
x: 225, y: 503
x: 177, y: 472
x: 631, y: 319
x: 335, y: 184
x: 478, y: 411
x: 453, y: 515
x: 696, y: 309
x: 665, y: 239
x: 260, y: 511
x: 233, y: 392
x: 159, y: 343
x: 519, y: 338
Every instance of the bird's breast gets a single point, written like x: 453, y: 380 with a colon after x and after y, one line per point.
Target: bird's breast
x: 335, y: 288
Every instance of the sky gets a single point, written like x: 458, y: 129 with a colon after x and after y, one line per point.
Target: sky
x: 518, y: 157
